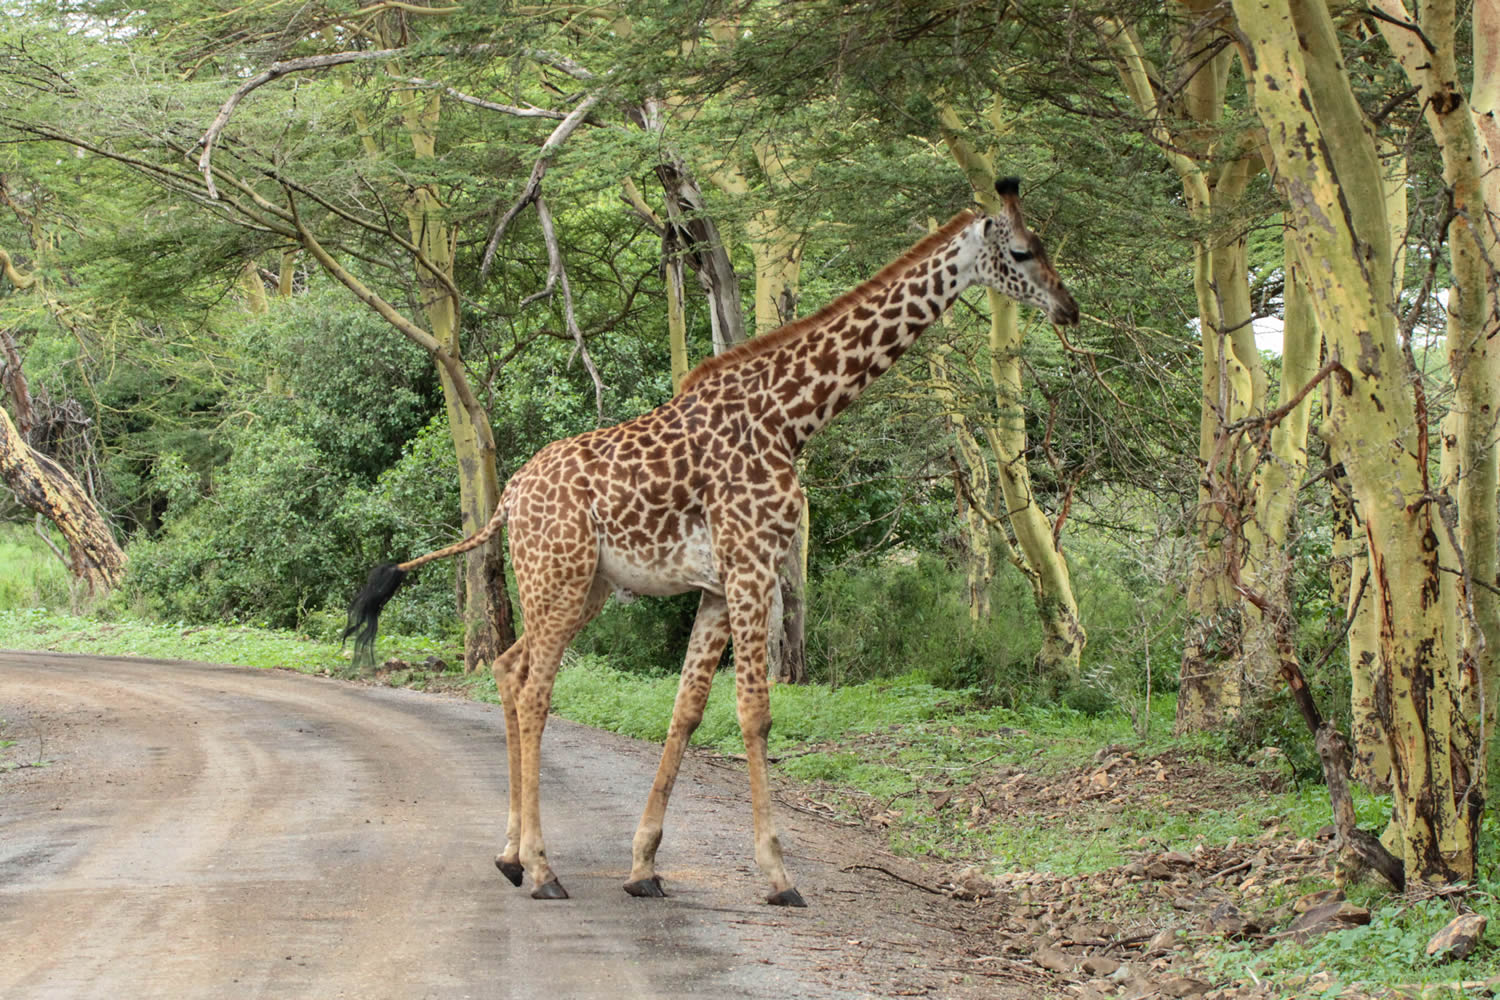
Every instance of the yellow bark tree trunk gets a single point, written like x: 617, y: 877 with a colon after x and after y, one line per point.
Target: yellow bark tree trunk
x: 1466, y: 134
x: 1325, y: 159
x: 488, y: 628
x: 40, y: 484
x: 1228, y: 657
x: 1063, y: 634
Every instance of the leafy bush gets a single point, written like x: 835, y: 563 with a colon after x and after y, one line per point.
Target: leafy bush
x: 908, y: 614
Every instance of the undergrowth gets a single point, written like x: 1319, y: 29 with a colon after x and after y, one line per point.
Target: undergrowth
x: 30, y: 575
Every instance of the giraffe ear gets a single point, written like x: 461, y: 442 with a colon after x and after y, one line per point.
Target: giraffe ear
x: 989, y: 227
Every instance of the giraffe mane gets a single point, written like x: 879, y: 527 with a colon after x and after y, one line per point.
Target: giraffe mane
x: 856, y: 296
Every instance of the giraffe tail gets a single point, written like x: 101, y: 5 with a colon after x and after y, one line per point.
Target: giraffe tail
x: 384, y: 580
x: 364, y: 611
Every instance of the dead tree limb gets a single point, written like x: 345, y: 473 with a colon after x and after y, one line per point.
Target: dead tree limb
x: 45, y: 487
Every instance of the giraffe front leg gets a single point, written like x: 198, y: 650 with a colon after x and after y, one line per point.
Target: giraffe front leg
x: 506, y: 668
x: 749, y: 614
x: 705, y: 647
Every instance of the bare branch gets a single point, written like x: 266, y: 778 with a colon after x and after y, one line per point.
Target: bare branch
x: 479, y: 102
x: 406, y: 8
x: 562, y: 62
x: 557, y: 274
x: 275, y: 70
x: 533, y: 186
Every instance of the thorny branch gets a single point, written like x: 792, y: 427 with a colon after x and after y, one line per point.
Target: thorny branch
x: 557, y: 274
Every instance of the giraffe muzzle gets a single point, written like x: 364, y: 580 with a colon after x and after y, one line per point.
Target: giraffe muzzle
x: 1064, y: 311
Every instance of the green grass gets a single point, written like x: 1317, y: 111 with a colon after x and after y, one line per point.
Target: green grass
x: 41, y: 629
x: 30, y: 574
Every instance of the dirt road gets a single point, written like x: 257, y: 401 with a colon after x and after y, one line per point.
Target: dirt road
x: 214, y: 831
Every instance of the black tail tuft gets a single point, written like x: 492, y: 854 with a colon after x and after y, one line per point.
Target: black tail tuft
x: 364, y: 611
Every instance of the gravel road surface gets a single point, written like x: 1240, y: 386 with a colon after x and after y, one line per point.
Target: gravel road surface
x: 197, y: 830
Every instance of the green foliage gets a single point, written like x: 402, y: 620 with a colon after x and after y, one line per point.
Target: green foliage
x: 907, y: 613
x: 30, y: 574
x: 340, y: 376
x: 254, y: 547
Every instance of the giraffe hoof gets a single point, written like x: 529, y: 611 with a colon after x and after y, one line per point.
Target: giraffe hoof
x: 786, y: 897
x: 511, y: 870
x: 646, y: 888
x: 550, y: 890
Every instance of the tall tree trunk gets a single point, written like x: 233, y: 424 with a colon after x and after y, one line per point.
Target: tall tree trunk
x: 1063, y: 635
x: 1325, y: 157
x: 1468, y: 139
x: 1214, y: 166
x: 1350, y: 582
x: 488, y: 619
x: 973, y: 490
x: 1267, y: 562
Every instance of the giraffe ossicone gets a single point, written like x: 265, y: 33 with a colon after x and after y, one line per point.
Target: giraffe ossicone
x: 702, y: 494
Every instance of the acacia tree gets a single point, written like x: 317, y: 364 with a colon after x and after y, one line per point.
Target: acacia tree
x: 377, y: 202
x: 1328, y: 170
x: 1038, y: 552
x: 1188, y: 114
x: 1464, y: 126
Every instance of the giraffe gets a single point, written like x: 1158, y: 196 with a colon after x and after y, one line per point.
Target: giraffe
x: 701, y: 494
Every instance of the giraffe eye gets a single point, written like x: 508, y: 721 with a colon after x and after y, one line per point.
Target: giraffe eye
x: 1022, y: 255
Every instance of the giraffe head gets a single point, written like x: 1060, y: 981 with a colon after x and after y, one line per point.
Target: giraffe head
x: 1010, y: 258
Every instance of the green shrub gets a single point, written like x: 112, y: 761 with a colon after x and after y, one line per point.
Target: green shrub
x: 908, y: 614
x: 645, y: 636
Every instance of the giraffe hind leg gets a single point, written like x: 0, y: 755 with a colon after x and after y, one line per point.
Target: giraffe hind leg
x: 505, y: 671
x: 555, y: 616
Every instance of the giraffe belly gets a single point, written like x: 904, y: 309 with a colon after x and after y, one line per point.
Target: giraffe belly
x: 660, y: 570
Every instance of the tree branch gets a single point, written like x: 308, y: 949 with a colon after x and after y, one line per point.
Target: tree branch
x: 21, y: 281
x: 557, y: 274
x: 533, y: 186
x: 274, y: 71
x: 479, y: 102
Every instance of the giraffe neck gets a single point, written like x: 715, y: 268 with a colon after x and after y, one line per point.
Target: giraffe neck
x: 833, y: 362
